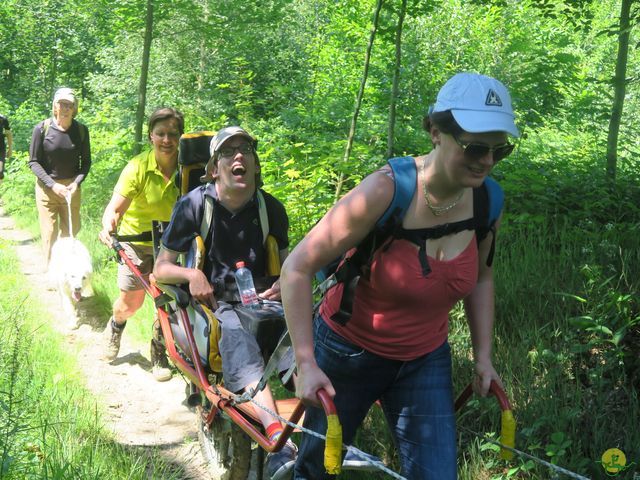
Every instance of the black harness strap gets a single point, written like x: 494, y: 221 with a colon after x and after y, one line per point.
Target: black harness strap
x: 420, y: 236
x: 139, y: 237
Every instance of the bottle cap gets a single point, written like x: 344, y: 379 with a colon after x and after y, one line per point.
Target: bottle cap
x: 239, y: 264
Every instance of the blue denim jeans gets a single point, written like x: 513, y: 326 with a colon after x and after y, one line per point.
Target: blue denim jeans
x: 416, y: 397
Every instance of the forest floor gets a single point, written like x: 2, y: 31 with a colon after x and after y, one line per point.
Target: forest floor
x: 141, y: 412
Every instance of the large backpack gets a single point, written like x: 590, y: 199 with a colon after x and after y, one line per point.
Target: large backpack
x: 488, y: 200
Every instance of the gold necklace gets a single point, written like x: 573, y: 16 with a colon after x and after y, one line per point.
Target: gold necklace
x: 436, y: 210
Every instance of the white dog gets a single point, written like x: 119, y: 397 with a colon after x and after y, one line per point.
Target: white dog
x: 71, y: 271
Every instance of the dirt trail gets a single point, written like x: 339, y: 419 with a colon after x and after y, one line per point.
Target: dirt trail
x: 140, y: 411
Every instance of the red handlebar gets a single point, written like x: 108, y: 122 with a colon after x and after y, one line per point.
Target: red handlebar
x: 494, y: 389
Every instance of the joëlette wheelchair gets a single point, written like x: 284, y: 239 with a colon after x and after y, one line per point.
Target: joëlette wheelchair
x: 226, y: 427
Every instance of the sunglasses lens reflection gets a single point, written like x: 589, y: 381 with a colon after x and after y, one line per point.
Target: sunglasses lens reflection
x: 230, y: 151
x: 476, y: 151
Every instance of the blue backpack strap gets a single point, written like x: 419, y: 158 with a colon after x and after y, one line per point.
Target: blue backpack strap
x: 496, y: 199
x: 495, y: 202
x: 404, y: 175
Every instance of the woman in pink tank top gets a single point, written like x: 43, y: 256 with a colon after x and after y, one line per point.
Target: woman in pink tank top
x: 394, y: 347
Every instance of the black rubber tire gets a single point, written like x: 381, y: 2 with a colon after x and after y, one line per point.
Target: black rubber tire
x: 225, y: 447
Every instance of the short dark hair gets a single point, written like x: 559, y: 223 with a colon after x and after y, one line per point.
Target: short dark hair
x: 443, y: 121
x: 165, y: 113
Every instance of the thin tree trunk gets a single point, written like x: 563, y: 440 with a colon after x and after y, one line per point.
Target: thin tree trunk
x: 619, y: 84
x: 363, y: 82
x: 54, y: 72
x: 144, y: 73
x: 396, y: 81
x: 203, y: 52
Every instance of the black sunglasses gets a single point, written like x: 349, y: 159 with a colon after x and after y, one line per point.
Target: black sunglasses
x: 476, y: 151
x: 245, y: 149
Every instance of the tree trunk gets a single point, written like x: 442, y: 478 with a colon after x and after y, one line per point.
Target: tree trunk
x: 619, y: 84
x: 144, y: 72
x: 396, y: 81
x: 356, y: 112
x: 203, y: 52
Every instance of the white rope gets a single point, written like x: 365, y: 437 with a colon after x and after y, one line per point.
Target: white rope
x: 68, y: 199
x: 246, y: 397
x: 556, y: 468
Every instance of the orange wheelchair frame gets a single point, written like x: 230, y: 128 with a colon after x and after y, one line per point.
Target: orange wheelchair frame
x: 221, y: 400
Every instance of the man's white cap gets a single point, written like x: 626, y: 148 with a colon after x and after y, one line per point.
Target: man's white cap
x: 65, y: 94
x: 478, y: 103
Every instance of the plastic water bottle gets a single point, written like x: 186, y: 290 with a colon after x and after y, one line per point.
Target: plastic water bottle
x: 247, y: 290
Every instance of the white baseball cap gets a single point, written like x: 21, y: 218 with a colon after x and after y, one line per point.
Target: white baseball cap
x: 478, y: 103
x: 65, y: 94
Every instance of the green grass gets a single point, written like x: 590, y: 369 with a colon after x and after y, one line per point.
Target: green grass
x: 50, y: 425
x: 573, y: 389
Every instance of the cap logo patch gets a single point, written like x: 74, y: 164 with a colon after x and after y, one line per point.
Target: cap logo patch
x: 493, y: 99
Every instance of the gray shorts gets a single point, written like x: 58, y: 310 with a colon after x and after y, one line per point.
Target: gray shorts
x: 142, y: 257
x: 242, y: 362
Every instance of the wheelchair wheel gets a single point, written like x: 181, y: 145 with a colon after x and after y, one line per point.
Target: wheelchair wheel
x: 225, y: 447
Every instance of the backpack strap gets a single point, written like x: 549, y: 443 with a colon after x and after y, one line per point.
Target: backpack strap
x: 207, y: 216
x: 496, y: 199
x: 46, y: 124
x: 488, y: 201
x: 44, y: 128
x: 264, y: 217
x: 349, y: 272
x: 82, y: 132
x: 404, y: 177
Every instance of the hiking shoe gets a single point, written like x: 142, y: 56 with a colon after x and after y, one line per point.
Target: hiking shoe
x: 113, y: 335
x: 280, y: 464
x: 160, y: 364
x: 355, y: 461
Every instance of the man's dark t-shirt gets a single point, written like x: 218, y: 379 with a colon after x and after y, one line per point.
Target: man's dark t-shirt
x: 233, y: 237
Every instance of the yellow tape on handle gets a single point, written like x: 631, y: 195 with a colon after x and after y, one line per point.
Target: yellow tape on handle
x: 507, y: 434
x: 273, y: 256
x: 333, y: 447
x: 508, y: 422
